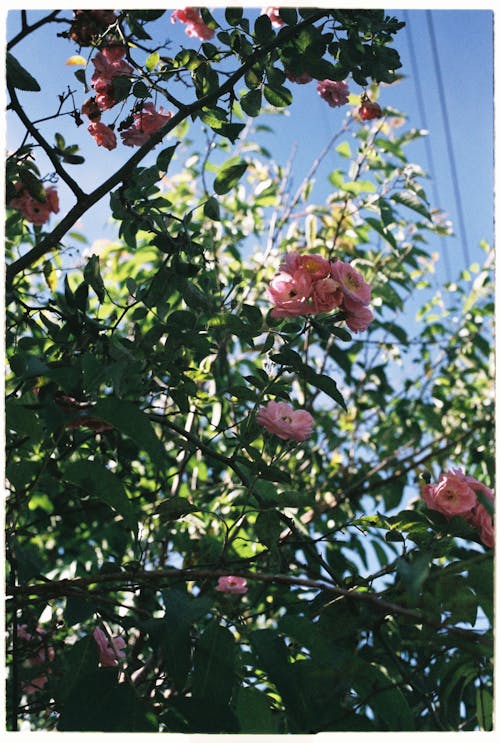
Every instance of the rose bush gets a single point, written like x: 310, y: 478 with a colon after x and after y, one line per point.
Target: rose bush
x: 200, y: 456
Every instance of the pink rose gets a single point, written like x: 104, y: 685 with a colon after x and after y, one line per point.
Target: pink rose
x: 108, y: 64
x: 315, y: 265
x: 103, y: 135
x: 195, y: 25
x: 146, y: 122
x: 334, y: 93
x: 52, y: 199
x: 282, y: 420
x: 451, y: 495
x: 351, y: 282
x: 357, y: 316
x: 290, y: 294
x: 274, y: 16
x: 37, y: 212
x: 326, y: 295
x: 110, y: 648
x: 231, y: 584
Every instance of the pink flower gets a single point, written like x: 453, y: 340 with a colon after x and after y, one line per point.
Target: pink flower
x: 289, y: 424
x: 110, y: 648
x: 108, y: 64
x: 326, y: 295
x: 351, y: 282
x: 231, y: 584
x: 456, y: 494
x: 274, y: 16
x: 301, y: 79
x: 146, y: 122
x: 451, y: 495
x: 195, y: 25
x: 357, y: 316
x: 42, y: 654
x: 37, y: 212
x: 335, y: 93
x: 290, y: 294
x: 103, y: 135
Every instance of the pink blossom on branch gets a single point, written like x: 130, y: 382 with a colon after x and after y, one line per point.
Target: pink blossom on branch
x: 146, y: 122
x: 351, y: 282
x: 110, y: 648
x: 357, y: 315
x: 195, y: 25
x: 456, y: 494
x: 231, y: 584
x: 103, y: 135
x: 108, y: 63
x: 35, y: 211
x: 335, y: 93
x: 290, y: 294
x: 282, y: 420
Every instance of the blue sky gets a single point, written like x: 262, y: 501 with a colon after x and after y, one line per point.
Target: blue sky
x: 464, y: 44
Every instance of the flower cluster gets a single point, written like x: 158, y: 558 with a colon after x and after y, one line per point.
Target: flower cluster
x: 109, y: 64
x: 32, y: 209
x: 310, y: 284
x: 194, y: 23
x: 282, y: 420
x: 334, y: 93
x: 231, y: 584
x: 110, y: 648
x: 42, y: 654
x: 456, y: 494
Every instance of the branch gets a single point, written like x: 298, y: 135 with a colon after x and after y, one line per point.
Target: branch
x: 26, y: 30
x: 53, y: 589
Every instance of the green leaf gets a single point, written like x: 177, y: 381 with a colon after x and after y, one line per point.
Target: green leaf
x: 268, y: 528
x: 253, y: 709
x: 411, y: 200
x: 389, y: 704
x: 140, y: 90
x: 263, y: 29
x: 251, y: 102
x: 278, y: 96
x: 98, y: 703
x: 95, y: 480
x: 229, y: 175
x: 211, y: 209
x: 121, y: 87
x: 165, y: 156
x: 484, y: 704
x: 92, y: 276
x: 130, y: 420
x: 214, y: 660
x: 233, y: 16
x: 152, y: 61
x: 18, y: 77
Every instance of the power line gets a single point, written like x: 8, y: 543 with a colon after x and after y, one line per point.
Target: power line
x: 449, y: 144
x: 427, y: 140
